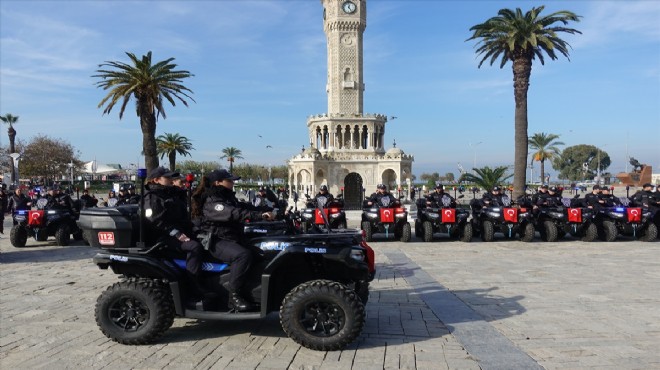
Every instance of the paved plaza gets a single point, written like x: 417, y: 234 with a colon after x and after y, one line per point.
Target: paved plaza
x: 440, y: 305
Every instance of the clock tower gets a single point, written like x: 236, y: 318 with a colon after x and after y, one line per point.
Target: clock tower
x: 347, y: 146
x: 344, y: 22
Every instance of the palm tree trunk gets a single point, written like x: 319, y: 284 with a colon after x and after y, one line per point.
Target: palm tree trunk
x: 231, y: 165
x: 542, y: 172
x: 11, y: 132
x: 148, y: 124
x: 522, y: 69
x: 172, y: 157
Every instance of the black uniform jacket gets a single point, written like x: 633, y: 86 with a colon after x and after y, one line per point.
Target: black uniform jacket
x: 165, y: 212
x: 224, y: 214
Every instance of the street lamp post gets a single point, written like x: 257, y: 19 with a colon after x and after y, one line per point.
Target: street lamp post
x: 474, y: 146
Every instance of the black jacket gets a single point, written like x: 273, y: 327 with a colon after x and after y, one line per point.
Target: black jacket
x: 547, y: 200
x: 223, y: 214
x: 436, y: 199
x: 646, y: 199
x: 88, y: 201
x: 60, y: 201
x: 376, y: 197
x: 491, y: 200
x: 165, y: 212
x: 16, y: 202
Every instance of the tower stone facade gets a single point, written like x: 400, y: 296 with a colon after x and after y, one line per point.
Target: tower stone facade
x: 346, y: 146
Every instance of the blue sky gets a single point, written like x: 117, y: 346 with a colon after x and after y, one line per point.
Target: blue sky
x: 260, y: 69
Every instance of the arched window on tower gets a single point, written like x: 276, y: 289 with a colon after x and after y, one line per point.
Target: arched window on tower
x: 347, y: 137
x: 365, y: 137
x: 356, y: 137
x: 338, y: 138
x: 317, y: 139
x: 326, y: 137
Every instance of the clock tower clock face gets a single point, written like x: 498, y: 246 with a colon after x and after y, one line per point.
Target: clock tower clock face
x: 349, y: 7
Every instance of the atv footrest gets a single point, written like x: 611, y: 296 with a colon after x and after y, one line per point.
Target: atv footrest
x: 214, y: 315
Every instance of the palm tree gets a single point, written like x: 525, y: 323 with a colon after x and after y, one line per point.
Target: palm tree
x: 486, y: 177
x: 172, y: 144
x: 546, y: 148
x: 150, y: 85
x: 231, y: 154
x: 521, y: 38
x: 11, y: 120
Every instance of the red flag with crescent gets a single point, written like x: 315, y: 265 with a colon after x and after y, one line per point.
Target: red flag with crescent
x: 511, y: 214
x: 35, y: 218
x: 318, y: 219
x: 575, y: 215
x: 448, y: 215
x: 634, y: 214
x: 386, y: 215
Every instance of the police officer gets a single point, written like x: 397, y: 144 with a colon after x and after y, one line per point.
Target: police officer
x: 550, y: 199
x: 592, y: 199
x: 220, y: 213
x: 646, y: 197
x: 381, y: 192
x: 323, y: 192
x: 87, y: 201
x: 607, y: 199
x: 435, y: 198
x: 3, y: 207
x: 541, y: 193
x: 18, y: 201
x: 164, y: 212
x: 493, y: 198
x: 58, y: 200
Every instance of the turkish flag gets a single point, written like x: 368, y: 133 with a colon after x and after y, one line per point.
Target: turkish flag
x: 387, y: 215
x: 35, y: 218
x: 634, y: 214
x: 511, y: 214
x: 318, y: 219
x: 448, y: 216
x: 575, y: 215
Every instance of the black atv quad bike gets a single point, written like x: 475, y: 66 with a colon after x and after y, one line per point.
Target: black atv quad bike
x: 445, y: 219
x: 621, y: 219
x: 333, y: 209
x: 319, y: 282
x: 386, y: 218
x: 42, y: 223
x: 512, y: 222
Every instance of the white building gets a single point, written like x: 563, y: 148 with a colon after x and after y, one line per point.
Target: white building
x: 347, y: 151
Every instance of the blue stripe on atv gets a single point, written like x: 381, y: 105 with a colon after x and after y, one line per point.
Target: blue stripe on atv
x: 206, y: 266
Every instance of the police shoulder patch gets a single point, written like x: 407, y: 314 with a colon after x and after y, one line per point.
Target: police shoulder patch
x: 219, y: 207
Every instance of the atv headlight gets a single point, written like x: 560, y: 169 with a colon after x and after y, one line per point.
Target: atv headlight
x: 556, y: 214
x: 615, y: 214
x: 357, y: 254
x: 335, y: 215
x: 433, y: 215
x: 400, y: 215
x: 51, y: 212
x: 494, y: 214
x: 307, y: 215
x: 372, y: 215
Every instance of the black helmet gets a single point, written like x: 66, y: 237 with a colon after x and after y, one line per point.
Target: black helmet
x: 324, y: 188
x: 262, y: 189
x: 381, y: 186
x: 552, y: 189
x: 496, y: 188
x: 439, y: 186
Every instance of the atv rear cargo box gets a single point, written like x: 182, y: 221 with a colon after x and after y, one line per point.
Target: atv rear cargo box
x: 110, y: 227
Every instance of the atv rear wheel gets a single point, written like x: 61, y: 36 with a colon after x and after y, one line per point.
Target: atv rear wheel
x: 487, y: 231
x: 465, y: 233
x: 608, y: 233
x: 18, y: 236
x: 406, y: 233
x: 649, y: 234
x: 590, y: 233
x: 63, y: 235
x: 548, y: 231
x: 135, y: 311
x: 322, y: 315
x: 368, y: 233
x: 427, y: 226
x: 527, y: 233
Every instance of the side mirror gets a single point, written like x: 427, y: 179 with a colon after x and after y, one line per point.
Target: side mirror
x: 461, y: 196
x: 340, y: 196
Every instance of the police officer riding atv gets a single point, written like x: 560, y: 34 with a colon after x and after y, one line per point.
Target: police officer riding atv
x: 55, y: 215
x: 382, y: 213
x: 494, y: 211
x: 318, y: 282
x: 437, y: 213
x: 324, y: 202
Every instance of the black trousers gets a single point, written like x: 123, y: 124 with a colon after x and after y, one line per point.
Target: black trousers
x: 239, y: 257
x: 194, y: 250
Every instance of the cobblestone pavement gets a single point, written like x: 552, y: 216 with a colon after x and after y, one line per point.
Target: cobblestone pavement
x: 440, y: 305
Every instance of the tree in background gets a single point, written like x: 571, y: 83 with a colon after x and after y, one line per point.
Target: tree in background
x: 172, y: 144
x: 197, y: 168
x: 545, y: 148
x: 231, y: 154
x: 580, y: 162
x: 49, y: 158
x: 10, y: 120
x: 150, y: 85
x: 521, y: 38
x: 486, y: 177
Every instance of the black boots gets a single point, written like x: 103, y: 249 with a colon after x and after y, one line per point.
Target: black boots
x: 239, y: 303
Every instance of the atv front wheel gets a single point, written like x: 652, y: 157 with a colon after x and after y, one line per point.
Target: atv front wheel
x: 608, y: 232
x: 649, y: 234
x: 63, y: 235
x: 368, y: 233
x: 427, y: 226
x: 590, y: 233
x: 548, y: 231
x: 465, y: 233
x: 487, y: 231
x: 322, y: 315
x: 135, y: 311
x: 527, y: 233
x: 406, y: 233
x: 18, y: 236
